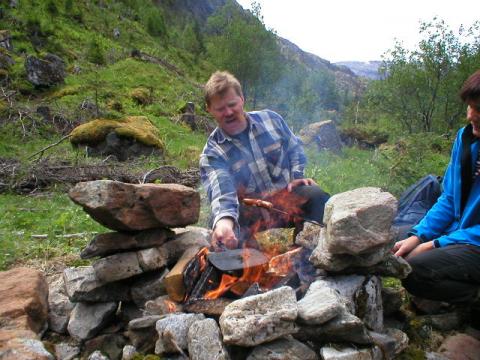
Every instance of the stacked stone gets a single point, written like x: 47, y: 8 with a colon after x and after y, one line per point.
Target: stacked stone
x: 91, y: 303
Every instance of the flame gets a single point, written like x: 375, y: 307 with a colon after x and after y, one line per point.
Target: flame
x: 170, y: 306
x: 202, y: 258
x: 281, y: 265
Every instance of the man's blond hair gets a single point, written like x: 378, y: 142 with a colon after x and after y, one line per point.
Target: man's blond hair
x: 219, y: 83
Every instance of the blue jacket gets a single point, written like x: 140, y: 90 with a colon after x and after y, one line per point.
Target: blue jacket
x: 445, y: 222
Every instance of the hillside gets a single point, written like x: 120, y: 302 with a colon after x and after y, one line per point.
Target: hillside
x: 367, y: 69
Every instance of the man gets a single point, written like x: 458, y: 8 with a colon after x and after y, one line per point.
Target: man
x: 252, y: 155
x: 444, y: 248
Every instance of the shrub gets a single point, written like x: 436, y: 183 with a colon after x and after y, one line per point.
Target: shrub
x: 95, y: 53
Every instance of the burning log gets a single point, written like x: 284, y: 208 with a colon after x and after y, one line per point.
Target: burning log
x: 208, y: 281
x: 175, y: 280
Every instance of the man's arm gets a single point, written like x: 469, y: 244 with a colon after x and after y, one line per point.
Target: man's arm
x: 223, y: 199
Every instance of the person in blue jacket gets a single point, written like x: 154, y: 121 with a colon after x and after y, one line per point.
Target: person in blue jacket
x: 444, y: 248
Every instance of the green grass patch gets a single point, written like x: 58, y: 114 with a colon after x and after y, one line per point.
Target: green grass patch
x: 51, y: 214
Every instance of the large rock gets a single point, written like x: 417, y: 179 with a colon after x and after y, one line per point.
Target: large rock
x: 349, y: 353
x: 173, y: 332
x: 283, y: 349
x: 48, y: 71
x: 359, y: 220
x: 261, y: 318
x: 87, y: 320
x: 149, y: 286
x: 82, y: 284
x: 320, y: 304
x: 460, y: 347
x: 324, y: 134
x: 59, y: 306
x: 23, y: 300
x: 120, y: 206
x: 205, y: 341
x: 117, y: 267
x: 114, y: 242
x: 23, y: 348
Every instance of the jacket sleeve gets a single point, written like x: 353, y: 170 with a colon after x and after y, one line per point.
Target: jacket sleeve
x: 295, y: 151
x: 442, y: 214
x: 221, y: 192
x: 469, y: 235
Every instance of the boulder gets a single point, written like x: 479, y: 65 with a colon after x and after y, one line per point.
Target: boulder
x: 359, y: 220
x: 283, y: 349
x: 23, y: 300
x: 117, y: 267
x: 48, y: 71
x: 114, y: 242
x: 87, y: 320
x: 460, y: 347
x: 82, y: 284
x: 320, y: 304
x: 173, y: 332
x: 205, y: 341
x: 260, y: 318
x: 350, y: 353
x: 120, y: 206
x: 59, y: 306
x: 324, y: 134
x: 23, y: 348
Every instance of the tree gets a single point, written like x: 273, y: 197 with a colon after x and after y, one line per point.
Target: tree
x: 419, y: 88
x: 240, y: 43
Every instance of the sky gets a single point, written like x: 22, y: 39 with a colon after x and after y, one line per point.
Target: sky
x: 359, y: 30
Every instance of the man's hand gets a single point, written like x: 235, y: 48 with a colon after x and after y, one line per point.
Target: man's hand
x: 404, y: 247
x: 223, y: 236
x: 298, y: 182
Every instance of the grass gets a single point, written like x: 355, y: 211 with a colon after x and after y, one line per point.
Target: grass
x: 49, y: 214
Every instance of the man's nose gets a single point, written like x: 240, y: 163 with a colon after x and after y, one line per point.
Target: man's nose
x: 228, y: 111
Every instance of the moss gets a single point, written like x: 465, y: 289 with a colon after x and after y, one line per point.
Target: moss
x: 137, y: 127
x: 412, y: 353
x: 141, y: 96
x: 65, y: 91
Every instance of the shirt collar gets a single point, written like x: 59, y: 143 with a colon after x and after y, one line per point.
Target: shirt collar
x: 222, y: 136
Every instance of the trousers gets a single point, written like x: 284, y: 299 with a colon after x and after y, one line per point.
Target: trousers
x: 450, y: 274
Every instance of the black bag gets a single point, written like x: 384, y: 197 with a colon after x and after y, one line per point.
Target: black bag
x: 415, y: 203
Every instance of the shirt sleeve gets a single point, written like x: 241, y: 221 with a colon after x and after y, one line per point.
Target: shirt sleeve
x: 442, y: 214
x: 295, y: 151
x: 221, y: 192
x: 469, y: 235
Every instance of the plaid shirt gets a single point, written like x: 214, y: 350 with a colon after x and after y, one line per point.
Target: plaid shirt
x: 274, y: 158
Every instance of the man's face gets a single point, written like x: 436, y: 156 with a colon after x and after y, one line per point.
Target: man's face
x: 473, y: 115
x: 228, y: 112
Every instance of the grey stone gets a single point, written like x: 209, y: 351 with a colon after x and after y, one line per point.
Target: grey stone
x: 67, y: 351
x: 144, y: 322
x: 97, y: 355
x: 117, y: 267
x: 435, y: 356
x: 393, y: 342
x: 131, y: 207
x: 460, y: 347
x: 48, y: 71
x: 443, y: 322
x: 184, y: 239
x: 149, y: 286
x: 343, y: 328
x: 114, y: 242
x: 144, y: 337
x: 173, y: 332
x: 390, y: 265
x: 162, y: 305
x: 111, y: 345
x: 348, y: 353
x: 129, y: 352
x: 369, y: 306
x: 359, y: 220
x: 59, y: 306
x: 309, y: 236
x: 320, y: 304
x: 204, y: 341
x: 392, y: 300
x: 87, y: 320
x: 152, y: 259
x: 82, y: 285
x: 283, y: 349
x: 324, y: 134
x: 260, y: 318
x: 25, y: 349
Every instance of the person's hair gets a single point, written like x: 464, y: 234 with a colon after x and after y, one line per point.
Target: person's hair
x: 219, y: 83
x: 471, y: 87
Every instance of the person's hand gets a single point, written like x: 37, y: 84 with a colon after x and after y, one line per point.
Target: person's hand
x: 223, y: 236
x: 298, y: 182
x: 404, y: 247
x: 421, y: 248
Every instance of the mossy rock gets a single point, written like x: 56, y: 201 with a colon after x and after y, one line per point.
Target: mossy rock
x: 141, y: 96
x: 136, y: 127
x: 65, y: 91
x: 275, y: 241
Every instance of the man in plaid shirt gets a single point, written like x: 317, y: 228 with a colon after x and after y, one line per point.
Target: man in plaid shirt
x: 252, y: 155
